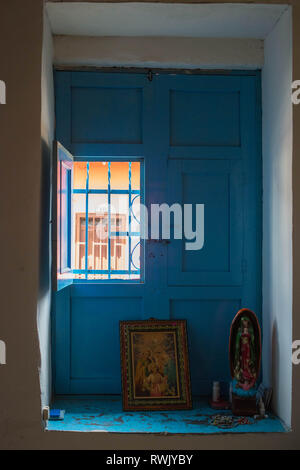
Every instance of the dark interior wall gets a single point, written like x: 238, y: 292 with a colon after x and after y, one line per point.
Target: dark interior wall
x: 21, y: 29
x: 45, y: 291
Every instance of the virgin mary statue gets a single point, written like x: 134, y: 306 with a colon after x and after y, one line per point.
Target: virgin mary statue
x: 245, y: 353
x: 244, y: 366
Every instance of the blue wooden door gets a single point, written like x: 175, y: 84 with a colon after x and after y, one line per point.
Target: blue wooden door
x: 199, y: 138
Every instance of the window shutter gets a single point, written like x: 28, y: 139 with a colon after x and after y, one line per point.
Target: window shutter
x: 61, y: 234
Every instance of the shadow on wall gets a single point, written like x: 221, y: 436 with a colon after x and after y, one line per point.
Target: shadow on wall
x: 44, y: 298
x: 275, y: 364
x: 45, y: 224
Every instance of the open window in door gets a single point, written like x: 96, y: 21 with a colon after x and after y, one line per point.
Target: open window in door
x: 96, y: 220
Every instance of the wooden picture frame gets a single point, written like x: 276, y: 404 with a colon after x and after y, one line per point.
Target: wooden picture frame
x: 155, y: 365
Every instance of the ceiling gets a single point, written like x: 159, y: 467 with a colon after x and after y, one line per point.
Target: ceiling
x: 160, y: 19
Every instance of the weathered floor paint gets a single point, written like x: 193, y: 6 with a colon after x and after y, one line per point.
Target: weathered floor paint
x: 106, y: 415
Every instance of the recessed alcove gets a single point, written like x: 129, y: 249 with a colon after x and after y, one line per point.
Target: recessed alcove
x: 272, y: 30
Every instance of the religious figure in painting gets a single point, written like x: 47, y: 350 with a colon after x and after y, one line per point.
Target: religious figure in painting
x: 157, y: 383
x: 143, y: 369
x: 154, y: 364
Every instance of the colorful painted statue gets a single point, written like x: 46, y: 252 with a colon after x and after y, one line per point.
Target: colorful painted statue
x: 245, y: 353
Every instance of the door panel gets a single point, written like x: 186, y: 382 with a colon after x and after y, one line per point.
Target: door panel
x: 206, y: 350
x: 92, y: 338
x: 106, y: 115
x: 217, y: 185
x: 204, y: 118
x: 101, y: 114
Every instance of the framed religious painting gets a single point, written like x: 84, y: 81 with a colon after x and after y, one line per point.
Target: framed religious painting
x: 155, y: 365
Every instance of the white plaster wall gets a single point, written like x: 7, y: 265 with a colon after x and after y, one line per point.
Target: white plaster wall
x: 47, y: 121
x: 277, y: 215
x: 202, y: 20
x: 47, y: 133
x: 175, y: 52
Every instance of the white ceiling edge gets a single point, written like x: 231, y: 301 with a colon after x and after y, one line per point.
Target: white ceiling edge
x: 161, y: 19
x: 158, y: 52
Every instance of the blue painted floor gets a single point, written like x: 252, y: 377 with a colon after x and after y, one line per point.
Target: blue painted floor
x: 106, y: 415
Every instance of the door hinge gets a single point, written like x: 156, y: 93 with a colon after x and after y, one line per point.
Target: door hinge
x: 150, y: 75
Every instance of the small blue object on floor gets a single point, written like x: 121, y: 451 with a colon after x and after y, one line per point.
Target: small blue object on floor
x: 105, y: 414
x: 56, y: 414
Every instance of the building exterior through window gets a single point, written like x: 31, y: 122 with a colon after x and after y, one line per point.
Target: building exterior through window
x: 106, y: 220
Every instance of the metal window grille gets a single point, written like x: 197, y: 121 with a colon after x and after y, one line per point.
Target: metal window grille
x: 104, y: 258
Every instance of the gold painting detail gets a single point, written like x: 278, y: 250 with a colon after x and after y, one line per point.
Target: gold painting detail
x: 154, y: 363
